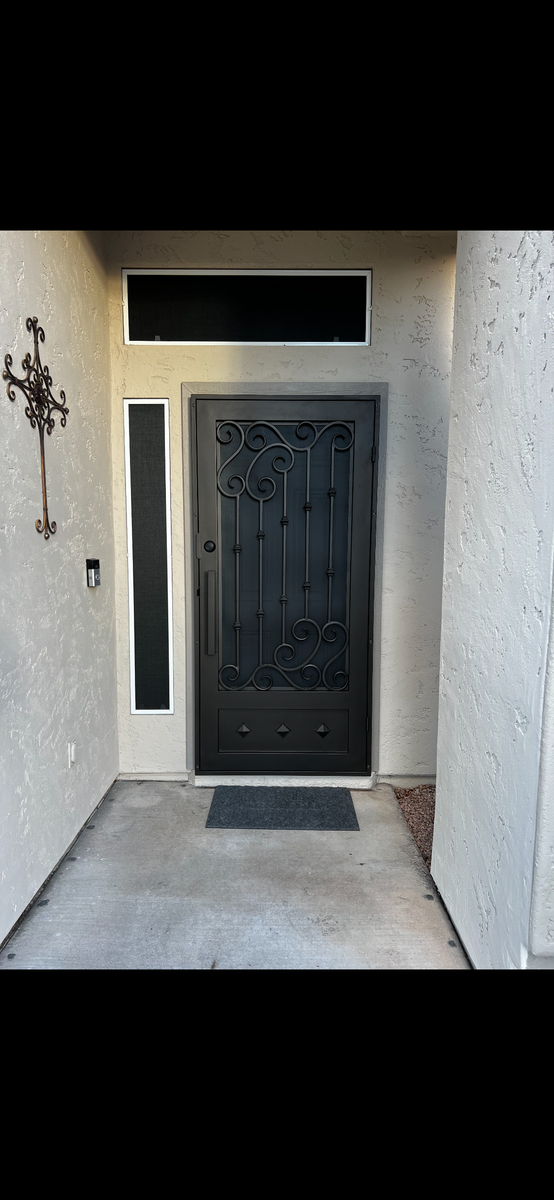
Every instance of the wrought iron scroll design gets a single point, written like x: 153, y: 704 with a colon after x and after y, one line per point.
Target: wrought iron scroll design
x: 36, y: 387
x: 236, y: 486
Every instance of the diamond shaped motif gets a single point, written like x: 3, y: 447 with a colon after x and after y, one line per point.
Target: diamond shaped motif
x: 243, y: 730
x: 323, y: 731
x: 283, y: 730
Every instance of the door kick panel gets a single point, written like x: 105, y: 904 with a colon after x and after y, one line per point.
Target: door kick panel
x: 299, y: 731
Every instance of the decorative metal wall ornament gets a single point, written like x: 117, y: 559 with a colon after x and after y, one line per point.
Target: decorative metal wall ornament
x: 36, y: 387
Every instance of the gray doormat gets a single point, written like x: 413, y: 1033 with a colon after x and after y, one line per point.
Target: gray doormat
x: 282, y: 808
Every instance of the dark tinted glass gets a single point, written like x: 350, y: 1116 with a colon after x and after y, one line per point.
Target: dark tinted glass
x: 148, y: 501
x: 249, y: 308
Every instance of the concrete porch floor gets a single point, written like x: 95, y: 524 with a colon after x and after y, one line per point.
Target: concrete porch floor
x: 147, y: 887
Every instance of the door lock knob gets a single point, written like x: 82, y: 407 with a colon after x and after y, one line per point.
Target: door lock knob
x: 209, y: 546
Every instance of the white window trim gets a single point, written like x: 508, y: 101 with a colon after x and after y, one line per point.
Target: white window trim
x: 160, y: 712
x: 222, y: 271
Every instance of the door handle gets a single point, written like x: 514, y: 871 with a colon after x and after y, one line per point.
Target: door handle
x: 211, y: 612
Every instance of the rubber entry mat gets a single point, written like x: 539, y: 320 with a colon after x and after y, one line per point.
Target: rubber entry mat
x: 282, y: 808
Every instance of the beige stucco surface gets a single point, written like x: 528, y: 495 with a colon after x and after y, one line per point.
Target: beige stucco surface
x: 57, y: 637
x: 413, y: 293
x: 492, y: 863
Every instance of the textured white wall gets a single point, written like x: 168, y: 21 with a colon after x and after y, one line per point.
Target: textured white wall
x: 413, y: 296
x: 497, y: 596
x: 57, y: 643
x: 541, y: 942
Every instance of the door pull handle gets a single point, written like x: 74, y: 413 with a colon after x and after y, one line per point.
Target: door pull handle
x: 211, y: 612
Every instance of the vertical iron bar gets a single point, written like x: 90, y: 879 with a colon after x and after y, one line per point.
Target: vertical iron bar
x: 307, y: 507
x: 211, y: 639
x: 45, y: 527
x: 284, y: 523
x: 349, y: 552
x: 237, y: 549
x: 330, y: 569
x: 260, y: 612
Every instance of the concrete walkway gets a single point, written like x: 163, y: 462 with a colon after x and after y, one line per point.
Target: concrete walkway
x: 148, y: 887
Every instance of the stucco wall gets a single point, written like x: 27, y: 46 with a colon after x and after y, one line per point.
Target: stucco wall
x: 497, y: 597
x: 57, y: 643
x: 413, y: 295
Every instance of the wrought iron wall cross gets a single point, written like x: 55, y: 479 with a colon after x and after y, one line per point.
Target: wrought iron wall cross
x: 36, y: 386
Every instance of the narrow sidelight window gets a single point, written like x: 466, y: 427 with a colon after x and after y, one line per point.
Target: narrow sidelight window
x: 149, y: 555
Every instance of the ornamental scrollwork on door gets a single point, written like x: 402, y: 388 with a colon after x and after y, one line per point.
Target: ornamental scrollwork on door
x: 264, y: 440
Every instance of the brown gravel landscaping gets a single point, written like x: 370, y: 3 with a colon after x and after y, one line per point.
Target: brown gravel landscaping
x: 418, y: 806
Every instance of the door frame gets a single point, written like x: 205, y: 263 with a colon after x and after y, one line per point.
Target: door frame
x: 377, y: 391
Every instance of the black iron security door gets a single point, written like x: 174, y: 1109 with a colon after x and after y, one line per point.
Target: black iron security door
x: 284, y: 530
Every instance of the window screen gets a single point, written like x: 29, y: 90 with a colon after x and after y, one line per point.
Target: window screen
x: 248, y: 307
x: 149, y: 565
